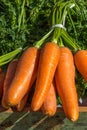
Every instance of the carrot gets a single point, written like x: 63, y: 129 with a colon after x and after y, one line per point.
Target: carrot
x: 0, y: 70
x: 24, y: 76
x: 80, y: 59
x: 49, y: 106
x: 48, y: 61
x: 22, y: 103
x: 8, y: 79
x: 65, y: 83
x: 2, y: 77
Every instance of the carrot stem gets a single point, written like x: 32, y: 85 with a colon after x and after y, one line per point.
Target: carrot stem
x: 70, y: 42
x: 42, y: 40
x: 9, y: 56
x: 60, y: 12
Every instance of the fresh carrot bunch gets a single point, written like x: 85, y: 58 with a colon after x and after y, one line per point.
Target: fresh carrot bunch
x: 50, y: 67
x: 21, y: 75
x: 47, y: 67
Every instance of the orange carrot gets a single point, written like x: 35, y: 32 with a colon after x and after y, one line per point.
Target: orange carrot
x: 22, y: 103
x: 2, y: 77
x: 47, y: 65
x: 49, y: 106
x: 65, y: 83
x: 80, y: 59
x: 0, y: 70
x: 25, y: 75
x: 8, y: 79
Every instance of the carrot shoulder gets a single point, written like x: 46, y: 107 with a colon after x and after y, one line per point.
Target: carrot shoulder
x: 47, y: 65
x: 8, y: 79
x: 49, y: 106
x: 24, y: 76
x: 65, y: 83
x: 80, y: 59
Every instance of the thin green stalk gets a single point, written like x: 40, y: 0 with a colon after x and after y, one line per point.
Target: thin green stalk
x: 62, y: 9
x: 57, y: 31
x: 7, y: 61
x: 21, y: 16
x: 56, y: 35
x: 73, y: 26
x: 61, y: 42
x: 9, y: 55
x: 59, y: 15
x: 53, y: 16
x: 64, y: 16
x: 42, y: 40
x: 69, y: 41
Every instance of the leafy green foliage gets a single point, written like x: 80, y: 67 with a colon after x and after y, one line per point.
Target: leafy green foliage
x: 12, y: 33
x: 77, y: 30
x: 22, y: 22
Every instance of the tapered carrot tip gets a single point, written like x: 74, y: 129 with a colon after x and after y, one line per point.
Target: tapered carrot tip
x: 72, y: 113
x: 49, y: 106
x: 50, y: 112
x: 74, y: 117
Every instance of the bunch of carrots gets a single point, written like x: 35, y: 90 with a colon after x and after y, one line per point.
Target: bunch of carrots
x: 51, y: 67
x: 52, y: 70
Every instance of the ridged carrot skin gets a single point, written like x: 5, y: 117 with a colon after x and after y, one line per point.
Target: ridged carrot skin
x: 49, y: 106
x: 2, y: 77
x: 80, y: 59
x: 8, y: 79
x: 65, y: 83
x: 48, y: 62
x: 24, y: 76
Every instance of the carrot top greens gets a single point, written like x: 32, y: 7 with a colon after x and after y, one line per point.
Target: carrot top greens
x: 22, y: 22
